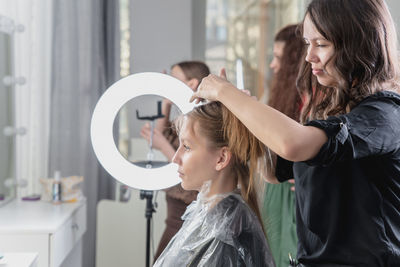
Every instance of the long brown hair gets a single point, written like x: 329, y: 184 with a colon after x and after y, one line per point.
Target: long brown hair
x: 365, y: 42
x: 284, y: 95
x: 222, y: 129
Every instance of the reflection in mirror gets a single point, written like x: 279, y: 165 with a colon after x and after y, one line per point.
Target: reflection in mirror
x: 7, y: 140
x: 138, y: 119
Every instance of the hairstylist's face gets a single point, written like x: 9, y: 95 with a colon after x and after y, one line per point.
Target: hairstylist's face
x: 276, y: 60
x: 319, y: 54
x: 178, y: 73
x: 196, y: 159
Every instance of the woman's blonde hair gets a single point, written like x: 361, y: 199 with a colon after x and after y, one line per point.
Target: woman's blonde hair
x: 222, y: 129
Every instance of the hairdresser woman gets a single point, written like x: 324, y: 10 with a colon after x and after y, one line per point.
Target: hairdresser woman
x: 346, y: 153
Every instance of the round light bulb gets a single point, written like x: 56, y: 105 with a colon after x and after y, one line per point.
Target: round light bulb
x: 101, y: 131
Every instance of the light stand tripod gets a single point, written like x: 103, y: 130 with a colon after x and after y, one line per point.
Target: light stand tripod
x: 146, y: 194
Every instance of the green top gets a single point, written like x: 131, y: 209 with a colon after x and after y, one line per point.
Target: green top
x: 279, y: 219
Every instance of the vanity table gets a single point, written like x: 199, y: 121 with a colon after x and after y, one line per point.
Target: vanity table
x: 54, y: 232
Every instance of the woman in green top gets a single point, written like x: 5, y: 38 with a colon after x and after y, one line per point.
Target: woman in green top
x: 278, y: 212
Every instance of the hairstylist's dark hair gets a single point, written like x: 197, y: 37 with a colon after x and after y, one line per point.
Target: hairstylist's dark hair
x: 365, y: 42
x: 222, y: 129
x: 284, y: 95
x: 193, y: 69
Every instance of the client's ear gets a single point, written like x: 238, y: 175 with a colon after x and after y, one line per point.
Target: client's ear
x: 225, y: 156
x: 193, y: 84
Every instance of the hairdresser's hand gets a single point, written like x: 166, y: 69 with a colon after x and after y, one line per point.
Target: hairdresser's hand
x: 159, y: 140
x: 248, y: 93
x: 222, y: 73
x: 210, y: 87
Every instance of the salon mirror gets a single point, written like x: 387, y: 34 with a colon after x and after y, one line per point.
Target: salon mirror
x: 7, y: 138
x: 103, y: 127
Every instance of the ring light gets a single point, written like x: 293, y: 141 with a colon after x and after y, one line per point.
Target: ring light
x: 101, y: 130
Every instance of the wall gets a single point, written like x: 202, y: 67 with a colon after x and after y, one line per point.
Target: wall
x: 394, y: 7
x: 163, y: 33
x: 160, y: 33
x: 6, y: 112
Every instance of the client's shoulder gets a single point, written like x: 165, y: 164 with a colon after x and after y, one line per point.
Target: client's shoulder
x: 231, y: 215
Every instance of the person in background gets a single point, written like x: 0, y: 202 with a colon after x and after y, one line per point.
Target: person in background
x: 166, y: 140
x: 345, y: 153
x: 278, y: 211
x: 218, y: 157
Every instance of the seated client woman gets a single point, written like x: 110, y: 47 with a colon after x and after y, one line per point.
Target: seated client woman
x: 218, y: 156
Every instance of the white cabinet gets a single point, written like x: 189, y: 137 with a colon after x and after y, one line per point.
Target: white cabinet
x: 19, y: 260
x: 52, y: 231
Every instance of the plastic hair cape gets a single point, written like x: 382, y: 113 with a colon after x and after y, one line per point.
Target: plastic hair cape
x: 220, y: 230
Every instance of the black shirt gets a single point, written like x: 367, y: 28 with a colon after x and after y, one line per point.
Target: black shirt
x: 348, y: 196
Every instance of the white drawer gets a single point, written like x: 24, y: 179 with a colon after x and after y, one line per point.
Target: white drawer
x: 27, y: 243
x: 63, y: 241
x: 19, y: 260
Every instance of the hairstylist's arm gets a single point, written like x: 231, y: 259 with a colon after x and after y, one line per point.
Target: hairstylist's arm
x: 286, y: 137
x: 159, y: 141
x: 162, y: 123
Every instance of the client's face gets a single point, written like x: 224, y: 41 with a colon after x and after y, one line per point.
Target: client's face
x: 196, y: 160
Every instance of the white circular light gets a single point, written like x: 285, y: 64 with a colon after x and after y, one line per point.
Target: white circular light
x: 147, y: 83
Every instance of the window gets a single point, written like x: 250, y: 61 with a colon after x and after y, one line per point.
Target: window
x: 240, y: 33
